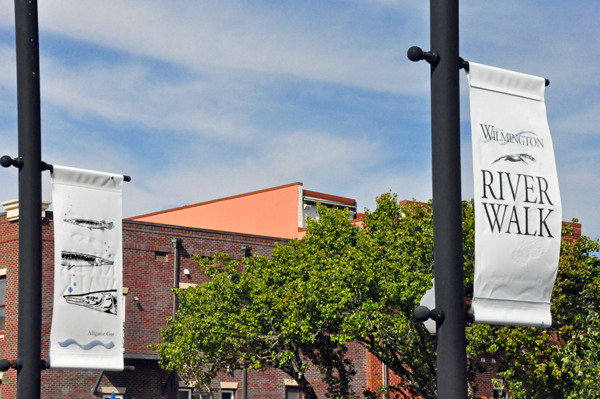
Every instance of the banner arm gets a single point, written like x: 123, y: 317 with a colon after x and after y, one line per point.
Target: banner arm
x: 50, y: 167
x: 463, y: 64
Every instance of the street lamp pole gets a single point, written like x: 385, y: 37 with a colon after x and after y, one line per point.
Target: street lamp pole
x: 449, y: 310
x: 447, y: 208
x: 30, y: 200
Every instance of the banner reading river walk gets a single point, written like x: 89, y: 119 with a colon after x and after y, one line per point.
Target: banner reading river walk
x: 517, y: 201
x: 87, y: 318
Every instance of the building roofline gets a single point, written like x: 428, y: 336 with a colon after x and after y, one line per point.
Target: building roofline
x: 328, y: 197
x: 215, y: 200
x: 198, y: 229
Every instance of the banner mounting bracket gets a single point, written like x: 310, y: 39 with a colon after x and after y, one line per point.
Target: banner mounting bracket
x: 462, y: 64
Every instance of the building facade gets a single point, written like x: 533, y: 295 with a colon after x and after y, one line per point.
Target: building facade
x: 158, y: 254
x: 276, y: 212
x: 148, y: 276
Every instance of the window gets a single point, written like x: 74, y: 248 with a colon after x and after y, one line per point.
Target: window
x: 228, y: 394
x: 2, y: 302
x: 160, y: 256
x: 498, y: 394
x: 185, y: 393
x: 292, y: 393
x: 498, y: 386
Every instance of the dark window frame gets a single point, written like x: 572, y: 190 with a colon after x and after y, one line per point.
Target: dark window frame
x: 231, y: 391
x: 3, y: 281
x: 189, y: 391
x: 289, y: 388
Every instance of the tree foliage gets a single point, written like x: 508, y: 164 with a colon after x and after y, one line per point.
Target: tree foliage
x: 555, y: 363
x: 238, y: 320
x: 344, y: 283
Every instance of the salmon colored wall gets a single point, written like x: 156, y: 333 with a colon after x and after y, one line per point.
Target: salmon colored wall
x: 272, y: 213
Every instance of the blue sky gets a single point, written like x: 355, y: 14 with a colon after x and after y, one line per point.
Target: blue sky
x: 198, y: 100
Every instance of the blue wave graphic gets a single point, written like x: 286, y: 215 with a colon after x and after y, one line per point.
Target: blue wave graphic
x: 515, y: 135
x: 88, y: 346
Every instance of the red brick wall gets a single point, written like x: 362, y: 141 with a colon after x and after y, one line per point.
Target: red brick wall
x: 270, y: 384
x: 485, y: 388
x: 9, y: 249
x: 576, y: 230
x: 147, y: 278
x: 150, y: 280
x: 376, y: 375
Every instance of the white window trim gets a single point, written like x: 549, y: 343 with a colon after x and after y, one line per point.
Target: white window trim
x: 231, y: 391
x: 117, y: 390
x: 184, y: 286
x: 188, y: 390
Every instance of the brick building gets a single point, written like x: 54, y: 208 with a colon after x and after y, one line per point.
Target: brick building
x: 148, y: 266
x: 148, y: 276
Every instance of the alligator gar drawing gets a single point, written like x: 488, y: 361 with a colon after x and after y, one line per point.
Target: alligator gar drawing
x: 75, y: 259
x: 102, y: 301
x: 515, y: 158
x: 91, y: 224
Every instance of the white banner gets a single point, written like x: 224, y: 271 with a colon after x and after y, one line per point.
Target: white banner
x: 517, y: 201
x: 87, y: 318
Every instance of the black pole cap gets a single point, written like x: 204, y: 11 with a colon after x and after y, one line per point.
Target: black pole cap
x: 5, y: 364
x: 423, y: 313
x: 7, y: 161
x: 415, y: 54
x: 469, y: 318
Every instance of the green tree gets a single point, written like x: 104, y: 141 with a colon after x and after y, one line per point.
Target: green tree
x: 555, y: 363
x: 343, y: 283
x: 240, y: 320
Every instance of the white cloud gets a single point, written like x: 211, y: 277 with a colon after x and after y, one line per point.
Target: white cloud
x: 8, y: 70
x: 314, y: 158
x: 584, y: 121
x: 234, y: 34
x: 129, y: 93
x: 578, y: 177
x: 237, y: 61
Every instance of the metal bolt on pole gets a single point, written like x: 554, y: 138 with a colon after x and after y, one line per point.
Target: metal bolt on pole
x: 30, y: 200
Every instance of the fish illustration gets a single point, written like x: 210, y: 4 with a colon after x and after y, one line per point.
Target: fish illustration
x: 91, y: 224
x: 515, y: 158
x: 102, y: 301
x: 73, y: 259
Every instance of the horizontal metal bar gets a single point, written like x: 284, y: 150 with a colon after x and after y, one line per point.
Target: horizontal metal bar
x: 465, y: 65
x: 50, y: 167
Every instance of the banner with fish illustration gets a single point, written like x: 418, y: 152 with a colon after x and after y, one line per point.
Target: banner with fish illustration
x: 87, y: 318
x: 517, y: 200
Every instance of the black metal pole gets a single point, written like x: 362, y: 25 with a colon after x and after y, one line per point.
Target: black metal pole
x: 245, y: 254
x: 30, y: 200
x: 447, y: 215
x: 176, y: 242
x: 245, y: 384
